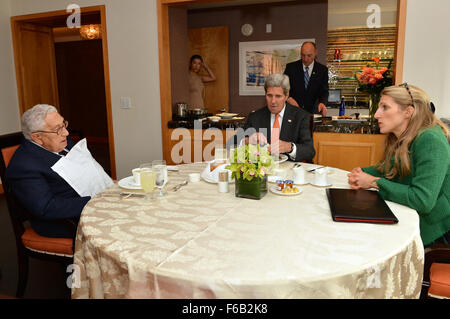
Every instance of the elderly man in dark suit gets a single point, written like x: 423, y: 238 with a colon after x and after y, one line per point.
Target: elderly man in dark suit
x: 309, y: 81
x: 32, y: 181
x: 283, y: 126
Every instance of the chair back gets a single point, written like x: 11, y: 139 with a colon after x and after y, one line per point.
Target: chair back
x: 8, y: 145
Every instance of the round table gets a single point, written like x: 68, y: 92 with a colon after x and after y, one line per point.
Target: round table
x: 199, y: 243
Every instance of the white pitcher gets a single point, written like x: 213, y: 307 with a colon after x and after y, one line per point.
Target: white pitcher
x: 299, y: 175
x: 321, y: 176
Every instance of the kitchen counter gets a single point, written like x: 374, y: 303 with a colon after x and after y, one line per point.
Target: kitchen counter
x: 207, y: 123
x: 332, y: 125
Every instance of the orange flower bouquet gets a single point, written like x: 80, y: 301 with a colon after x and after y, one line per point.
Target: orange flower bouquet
x: 373, y: 80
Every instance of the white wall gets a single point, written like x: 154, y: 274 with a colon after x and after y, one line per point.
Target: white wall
x: 9, y: 109
x: 427, y: 50
x: 134, y: 72
x: 352, y: 13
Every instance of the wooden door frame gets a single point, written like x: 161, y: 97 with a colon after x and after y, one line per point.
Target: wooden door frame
x: 164, y: 58
x: 35, y: 17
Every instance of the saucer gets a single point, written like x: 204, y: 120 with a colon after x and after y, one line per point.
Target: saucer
x: 128, y: 183
x: 304, y: 183
x: 321, y: 185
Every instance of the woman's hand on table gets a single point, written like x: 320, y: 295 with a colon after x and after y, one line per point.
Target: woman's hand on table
x: 358, y: 179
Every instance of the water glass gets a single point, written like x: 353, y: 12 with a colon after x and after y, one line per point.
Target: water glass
x: 147, y: 180
x: 159, y: 167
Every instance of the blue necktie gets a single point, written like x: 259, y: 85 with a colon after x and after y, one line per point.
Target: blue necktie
x: 306, y: 76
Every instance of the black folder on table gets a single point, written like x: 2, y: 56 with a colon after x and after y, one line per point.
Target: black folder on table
x: 363, y: 206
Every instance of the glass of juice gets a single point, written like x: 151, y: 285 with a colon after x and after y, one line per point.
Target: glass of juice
x: 148, y: 179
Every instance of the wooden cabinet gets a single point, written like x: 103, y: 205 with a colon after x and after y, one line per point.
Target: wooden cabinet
x: 347, y: 151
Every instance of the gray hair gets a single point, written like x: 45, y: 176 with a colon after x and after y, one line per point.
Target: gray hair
x: 33, y: 119
x: 278, y: 80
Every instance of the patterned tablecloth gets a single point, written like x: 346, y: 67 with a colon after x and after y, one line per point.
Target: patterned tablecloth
x: 199, y: 243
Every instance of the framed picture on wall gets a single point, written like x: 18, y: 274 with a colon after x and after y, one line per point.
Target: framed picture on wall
x: 258, y: 59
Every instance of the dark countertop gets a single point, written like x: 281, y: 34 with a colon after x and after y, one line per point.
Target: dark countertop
x: 353, y: 126
x: 206, y: 123
x: 326, y: 124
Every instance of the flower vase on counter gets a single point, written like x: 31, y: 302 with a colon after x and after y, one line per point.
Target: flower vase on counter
x: 374, y: 99
x: 373, y: 79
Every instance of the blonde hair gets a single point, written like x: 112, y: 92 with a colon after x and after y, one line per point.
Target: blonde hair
x: 422, y: 118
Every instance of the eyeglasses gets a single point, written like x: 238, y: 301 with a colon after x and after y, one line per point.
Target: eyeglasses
x: 405, y: 85
x: 58, y: 131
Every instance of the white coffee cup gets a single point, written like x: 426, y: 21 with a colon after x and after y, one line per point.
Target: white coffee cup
x: 321, y: 176
x: 299, y: 175
x: 194, y: 177
x: 137, y: 176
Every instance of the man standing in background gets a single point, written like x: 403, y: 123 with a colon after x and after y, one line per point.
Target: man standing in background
x: 309, y: 81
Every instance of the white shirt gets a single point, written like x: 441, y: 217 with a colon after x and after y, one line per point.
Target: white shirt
x: 65, y: 149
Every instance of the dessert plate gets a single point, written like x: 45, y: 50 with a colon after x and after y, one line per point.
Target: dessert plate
x: 128, y: 183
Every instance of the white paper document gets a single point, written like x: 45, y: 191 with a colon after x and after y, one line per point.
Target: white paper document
x: 81, y: 171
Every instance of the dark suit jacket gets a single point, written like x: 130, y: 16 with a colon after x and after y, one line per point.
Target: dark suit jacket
x: 42, y: 191
x: 295, y: 129
x: 317, y: 90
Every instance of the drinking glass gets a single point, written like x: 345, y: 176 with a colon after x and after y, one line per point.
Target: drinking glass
x: 148, y: 179
x: 220, y: 153
x: 159, y: 167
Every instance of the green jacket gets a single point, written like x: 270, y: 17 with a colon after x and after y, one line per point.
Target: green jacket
x: 427, y: 188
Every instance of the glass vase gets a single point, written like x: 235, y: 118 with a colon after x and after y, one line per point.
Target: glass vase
x: 254, y: 189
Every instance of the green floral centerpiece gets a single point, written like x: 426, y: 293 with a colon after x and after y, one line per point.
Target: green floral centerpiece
x: 250, y: 165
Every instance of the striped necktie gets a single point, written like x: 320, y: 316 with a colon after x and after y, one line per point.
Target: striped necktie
x: 306, y: 76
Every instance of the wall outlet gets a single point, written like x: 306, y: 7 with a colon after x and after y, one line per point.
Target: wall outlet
x: 125, y: 103
x: 268, y: 28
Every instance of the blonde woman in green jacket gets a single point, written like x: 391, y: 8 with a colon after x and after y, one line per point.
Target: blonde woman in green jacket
x: 415, y: 170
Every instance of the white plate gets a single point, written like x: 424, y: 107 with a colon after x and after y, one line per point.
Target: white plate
x: 227, y: 115
x: 274, y: 190
x: 274, y: 179
x: 321, y: 185
x: 330, y: 169
x: 128, y: 183
x: 281, y: 158
x: 209, y: 179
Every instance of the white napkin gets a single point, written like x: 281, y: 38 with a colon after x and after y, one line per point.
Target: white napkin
x: 81, y: 171
x: 214, y: 175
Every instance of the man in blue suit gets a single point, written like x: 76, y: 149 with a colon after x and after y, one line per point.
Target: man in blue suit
x: 283, y: 126
x: 36, y: 186
x: 309, y: 81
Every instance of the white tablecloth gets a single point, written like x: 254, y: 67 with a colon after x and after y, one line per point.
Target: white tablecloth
x: 199, y: 243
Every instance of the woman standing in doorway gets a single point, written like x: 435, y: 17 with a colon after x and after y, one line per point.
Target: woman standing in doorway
x: 196, y: 81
